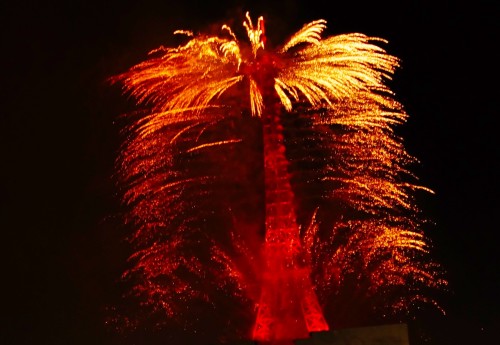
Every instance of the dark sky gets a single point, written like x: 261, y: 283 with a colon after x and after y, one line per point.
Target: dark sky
x: 59, y: 138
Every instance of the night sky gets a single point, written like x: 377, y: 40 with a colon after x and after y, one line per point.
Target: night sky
x: 59, y: 138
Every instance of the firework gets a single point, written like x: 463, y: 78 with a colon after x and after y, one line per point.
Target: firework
x: 272, y: 177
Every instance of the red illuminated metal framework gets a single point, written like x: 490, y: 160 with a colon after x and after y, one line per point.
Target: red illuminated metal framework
x: 288, y: 307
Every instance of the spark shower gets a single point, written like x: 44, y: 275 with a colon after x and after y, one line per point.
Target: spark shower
x: 270, y: 181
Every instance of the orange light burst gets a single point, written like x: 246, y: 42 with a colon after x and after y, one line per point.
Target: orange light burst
x: 272, y: 176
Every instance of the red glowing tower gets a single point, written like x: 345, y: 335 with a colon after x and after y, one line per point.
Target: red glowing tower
x: 288, y: 307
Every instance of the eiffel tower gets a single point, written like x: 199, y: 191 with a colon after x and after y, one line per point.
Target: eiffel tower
x: 288, y: 308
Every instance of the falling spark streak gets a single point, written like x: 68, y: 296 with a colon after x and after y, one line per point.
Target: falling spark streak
x: 333, y: 222
x: 224, y: 142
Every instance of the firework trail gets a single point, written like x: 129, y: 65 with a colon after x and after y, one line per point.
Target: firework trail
x: 272, y: 178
